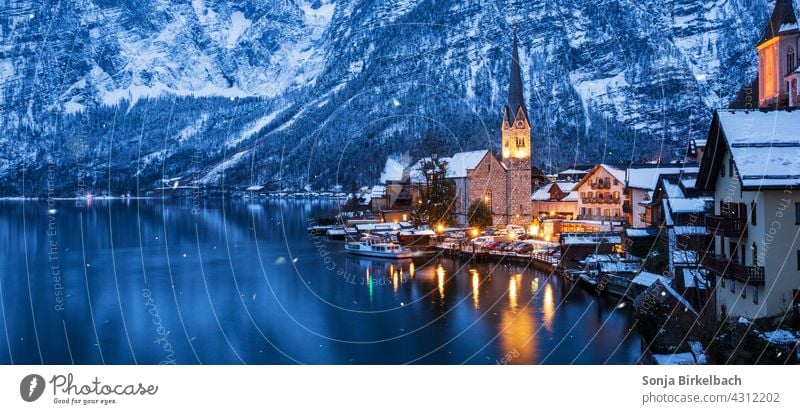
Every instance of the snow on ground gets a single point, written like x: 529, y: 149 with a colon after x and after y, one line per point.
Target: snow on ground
x: 216, y: 174
x: 252, y: 129
x: 239, y: 24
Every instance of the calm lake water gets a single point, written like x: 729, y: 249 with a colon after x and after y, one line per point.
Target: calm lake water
x: 163, y: 281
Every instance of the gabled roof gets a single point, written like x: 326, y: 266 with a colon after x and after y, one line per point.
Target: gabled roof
x: 646, y: 178
x: 782, y: 21
x: 765, y: 146
x: 394, y: 170
x: 457, y: 165
x: 566, y: 187
x: 615, y: 172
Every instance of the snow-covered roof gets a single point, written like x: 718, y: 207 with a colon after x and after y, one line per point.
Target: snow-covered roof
x: 779, y: 336
x: 684, y: 257
x: 572, y: 196
x: 765, y: 146
x: 378, y: 191
x: 584, y: 239
x: 393, y: 170
x: 567, y: 187
x: 457, y: 165
x: 619, y: 266
x: 694, y: 278
x: 648, y: 232
x: 571, y: 171
x: 646, y: 178
x: 673, y: 190
x: 689, y: 182
x: 615, y: 172
x: 690, y: 230
x: 255, y: 188
x: 543, y: 193
x: 647, y: 279
x: 689, y: 205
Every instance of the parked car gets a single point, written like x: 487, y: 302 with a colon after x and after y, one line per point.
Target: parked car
x: 524, y: 248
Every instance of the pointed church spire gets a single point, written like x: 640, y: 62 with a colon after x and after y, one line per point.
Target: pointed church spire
x: 783, y: 20
x: 515, y: 98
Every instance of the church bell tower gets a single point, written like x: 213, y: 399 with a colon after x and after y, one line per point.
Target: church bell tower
x: 516, y: 147
x: 777, y: 58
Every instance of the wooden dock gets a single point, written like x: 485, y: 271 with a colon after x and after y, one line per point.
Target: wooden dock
x: 543, y: 262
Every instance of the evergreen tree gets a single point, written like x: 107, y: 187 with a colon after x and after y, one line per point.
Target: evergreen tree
x: 437, y: 196
x: 479, y: 214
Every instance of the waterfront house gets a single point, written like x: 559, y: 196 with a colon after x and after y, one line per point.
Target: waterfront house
x: 600, y: 194
x: 577, y: 246
x: 752, y: 167
x: 639, y: 186
x: 557, y: 199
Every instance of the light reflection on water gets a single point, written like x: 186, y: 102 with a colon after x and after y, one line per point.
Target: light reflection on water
x: 244, y: 280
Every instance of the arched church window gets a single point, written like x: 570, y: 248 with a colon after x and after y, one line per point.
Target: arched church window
x: 520, y: 142
x: 790, y: 60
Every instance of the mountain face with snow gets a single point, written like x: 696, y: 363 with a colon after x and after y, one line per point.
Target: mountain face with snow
x: 117, y: 95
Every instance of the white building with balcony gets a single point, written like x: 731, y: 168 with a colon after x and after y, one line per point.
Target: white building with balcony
x: 600, y: 194
x: 752, y: 166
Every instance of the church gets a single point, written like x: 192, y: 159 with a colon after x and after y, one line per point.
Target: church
x: 504, y: 183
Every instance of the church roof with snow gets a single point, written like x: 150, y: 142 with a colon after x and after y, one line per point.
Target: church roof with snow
x: 457, y: 165
x: 783, y: 20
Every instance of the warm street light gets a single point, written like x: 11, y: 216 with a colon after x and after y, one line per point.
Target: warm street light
x: 440, y: 228
x: 475, y: 232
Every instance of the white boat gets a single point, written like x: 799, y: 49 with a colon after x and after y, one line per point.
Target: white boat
x: 376, y: 247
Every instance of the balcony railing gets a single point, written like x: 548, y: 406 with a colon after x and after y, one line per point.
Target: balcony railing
x: 726, y: 267
x: 600, y: 218
x: 588, y: 200
x: 726, y: 226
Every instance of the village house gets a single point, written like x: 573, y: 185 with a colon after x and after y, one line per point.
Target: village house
x: 752, y: 166
x: 641, y: 181
x: 557, y: 199
x: 600, y: 194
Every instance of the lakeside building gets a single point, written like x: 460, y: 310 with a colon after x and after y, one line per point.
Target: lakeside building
x: 556, y: 199
x: 601, y: 191
x: 504, y: 183
x: 752, y: 167
x: 639, y: 186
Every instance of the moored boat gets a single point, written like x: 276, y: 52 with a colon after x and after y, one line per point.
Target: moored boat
x: 376, y: 247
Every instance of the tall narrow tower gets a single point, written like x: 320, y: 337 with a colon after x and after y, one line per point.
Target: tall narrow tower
x: 777, y: 56
x: 516, y: 147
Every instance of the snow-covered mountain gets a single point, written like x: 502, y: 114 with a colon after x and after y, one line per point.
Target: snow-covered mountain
x: 122, y: 93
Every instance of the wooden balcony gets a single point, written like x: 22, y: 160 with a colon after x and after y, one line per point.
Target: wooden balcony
x: 726, y: 226
x: 725, y: 267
